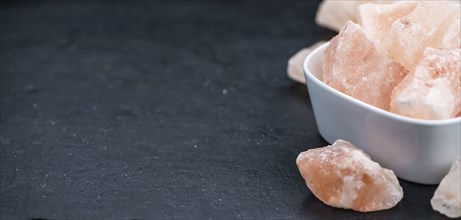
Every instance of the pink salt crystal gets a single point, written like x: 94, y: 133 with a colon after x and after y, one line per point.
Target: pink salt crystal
x: 333, y: 14
x: 376, y: 19
x: 343, y: 176
x: 353, y: 65
x: 432, y: 90
x: 295, y: 63
x: 447, y: 197
x: 433, y: 24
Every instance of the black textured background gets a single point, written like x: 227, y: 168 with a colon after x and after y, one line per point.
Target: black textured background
x: 163, y: 110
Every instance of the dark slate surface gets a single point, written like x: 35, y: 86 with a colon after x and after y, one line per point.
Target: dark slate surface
x: 161, y: 110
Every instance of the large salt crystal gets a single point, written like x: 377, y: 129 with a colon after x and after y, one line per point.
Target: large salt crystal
x: 447, y: 197
x: 343, y: 176
x: 295, y: 63
x: 376, y: 19
x: 334, y: 14
x: 353, y: 65
x: 432, y: 90
x: 433, y: 24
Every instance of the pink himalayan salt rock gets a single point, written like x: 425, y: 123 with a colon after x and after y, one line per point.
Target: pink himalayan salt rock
x: 433, y: 24
x: 432, y: 90
x: 376, y: 19
x: 353, y: 65
x: 343, y: 176
x: 334, y: 14
x: 447, y: 197
x: 295, y: 63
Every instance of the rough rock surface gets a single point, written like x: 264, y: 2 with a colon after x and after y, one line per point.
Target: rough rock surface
x: 433, y: 24
x: 343, y: 176
x: 295, y: 68
x: 353, y: 65
x: 432, y: 90
x: 447, y: 197
x: 376, y: 19
x: 334, y: 14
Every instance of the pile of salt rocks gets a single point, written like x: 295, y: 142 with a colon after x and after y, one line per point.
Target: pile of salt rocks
x: 403, y: 57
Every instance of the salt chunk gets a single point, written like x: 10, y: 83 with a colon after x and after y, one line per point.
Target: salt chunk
x: 433, y: 89
x: 334, y: 14
x: 343, y: 176
x: 376, y: 19
x: 295, y: 63
x: 447, y: 197
x: 433, y: 24
x: 353, y: 65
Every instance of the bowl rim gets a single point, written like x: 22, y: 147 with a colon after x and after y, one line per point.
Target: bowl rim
x: 310, y: 77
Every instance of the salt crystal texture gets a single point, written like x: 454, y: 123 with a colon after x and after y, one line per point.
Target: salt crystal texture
x: 432, y: 90
x: 376, y: 19
x: 343, y: 176
x: 353, y: 65
x: 447, y: 197
x: 334, y: 14
x: 295, y: 63
x: 433, y: 24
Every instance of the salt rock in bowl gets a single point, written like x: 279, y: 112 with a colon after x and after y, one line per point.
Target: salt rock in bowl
x: 377, y: 19
x: 405, y: 28
x: 343, y: 176
x: 355, y: 66
x: 432, y: 90
x: 417, y: 150
x: 433, y: 24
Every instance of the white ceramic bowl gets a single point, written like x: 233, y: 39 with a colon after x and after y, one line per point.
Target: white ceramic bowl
x: 420, y: 151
